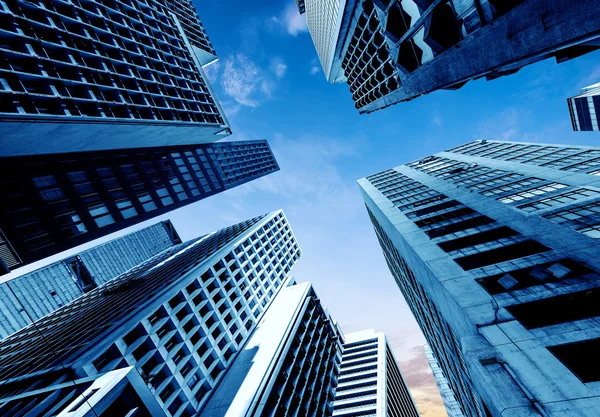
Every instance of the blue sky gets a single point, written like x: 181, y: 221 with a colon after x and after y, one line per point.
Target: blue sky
x: 271, y: 86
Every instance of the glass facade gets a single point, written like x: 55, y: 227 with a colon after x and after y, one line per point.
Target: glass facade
x: 50, y: 203
x: 491, y: 243
x: 582, y: 109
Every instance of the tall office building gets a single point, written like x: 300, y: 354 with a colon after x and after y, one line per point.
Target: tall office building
x: 370, y: 382
x: 50, y: 203
x: 31, y: 296
x: 583, y: 109
x: 448, y: 398
x: 104, y: 75
x: 495, y: 248
x: 396, y: 50
x: 289, y: 366
x: 180, y: 319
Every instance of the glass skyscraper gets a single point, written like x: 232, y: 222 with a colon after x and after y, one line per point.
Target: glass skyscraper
x: 494, y: 246
x: 583, y: 109
x: 33, y: 295
x: 179, y: 321
x: 370, y: 382
x: 390, y: 51
x: 448, y: 398
x: 50, y: 203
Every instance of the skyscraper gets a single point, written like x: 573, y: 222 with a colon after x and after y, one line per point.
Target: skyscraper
x: 180, y: 320
x: 50, y: 203
x: 370, y: 382
x: 396, y: 50
x: 452, y: 406
x: 104, y: 75
x: 583, y: 108
x: 289, y: 365
x: 494, y: 246
x: 31, y: 296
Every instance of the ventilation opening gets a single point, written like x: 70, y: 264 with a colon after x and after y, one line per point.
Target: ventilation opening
x: 578, y: 358
x: 556, y: 310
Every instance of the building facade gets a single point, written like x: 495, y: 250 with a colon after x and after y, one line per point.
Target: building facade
x: 31, y: 296
x: 494, y: 246
x: 51, y: 203
x: 390, y: 51
x: 370, y: 382
x: 101, y: 75
x: 582, y: 109
x: 448, y: 398
x: 288, y: 367
x: 180, y: 319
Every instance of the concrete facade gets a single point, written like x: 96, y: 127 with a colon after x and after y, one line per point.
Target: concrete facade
x: 370, y: 382
x: 100, y: 75
x: 584, y: 109
x: 398, y: 50
x: 31, y: 296
x: 180, y: 319
x: 494, y: 246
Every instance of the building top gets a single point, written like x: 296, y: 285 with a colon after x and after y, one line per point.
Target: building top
x: 301, y: 6
x: 591, y: 89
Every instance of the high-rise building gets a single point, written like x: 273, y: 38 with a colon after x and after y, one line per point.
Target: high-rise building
x: 289, y: 366
x: 583, y: 109
x: 51, y: 203
x: 104, y: 75
x: 370, y: 382
x: 180, y: 319
x: 31, y: 296
x: 397, y: 50
x: 494, y: 246
x: 448, y: 398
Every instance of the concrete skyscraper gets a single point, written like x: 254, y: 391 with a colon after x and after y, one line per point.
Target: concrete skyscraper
x: 177, y: 322
x: 104, y: 75
x: 107, y: 119
x: 51, y: 203
x: 494, y: 246
x: 31, y: 296
x: 396, y: 50
x: 370, y: 382
x: 584, y: 109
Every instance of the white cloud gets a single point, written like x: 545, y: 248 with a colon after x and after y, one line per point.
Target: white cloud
x: 246, y: 83
x: 293, y: 21
x: 280, y: 69
x: 212, y: 72
x: 314, y: 70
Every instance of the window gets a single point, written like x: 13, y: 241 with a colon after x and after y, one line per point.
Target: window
x: 44, y: 181
x: 579, y: 357
x: 164, y: 196
x: 78, y: 176
x: 534, y: 192
x: 591, y: 231
x: 477, y: 239
x: 101, y: 215
x: 560, y: 199
x: 71, y: 224
x: 51, y: 194
x: 459, y: 226
x: 126, y: 208
x: 576, y: 213
x: 147, y: 203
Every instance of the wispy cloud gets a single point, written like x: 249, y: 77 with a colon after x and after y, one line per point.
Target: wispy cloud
x: 505, y: 126
x: 314, y: 70
x: 279, y: 68
x: 245, y: 82
x: 292, y: 20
